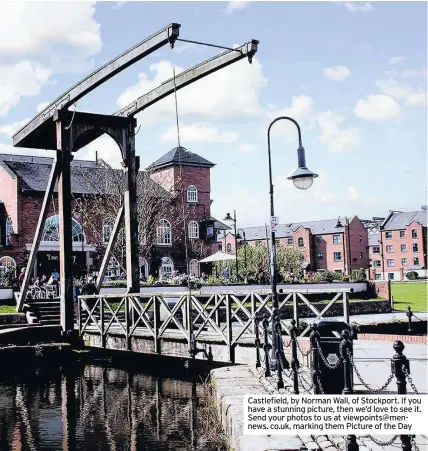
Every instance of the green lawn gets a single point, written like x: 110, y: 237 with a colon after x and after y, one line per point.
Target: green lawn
x: 7, y: 309
x: 410, y: 294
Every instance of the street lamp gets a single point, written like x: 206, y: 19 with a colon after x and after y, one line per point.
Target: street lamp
x: 302, y: 178
x: 238, y: 236
x: 229, y: 219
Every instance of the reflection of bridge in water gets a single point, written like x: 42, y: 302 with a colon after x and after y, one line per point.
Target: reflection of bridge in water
x: 99, y: 408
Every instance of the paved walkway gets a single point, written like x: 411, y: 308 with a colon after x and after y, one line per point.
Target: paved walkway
x: 373, y: 318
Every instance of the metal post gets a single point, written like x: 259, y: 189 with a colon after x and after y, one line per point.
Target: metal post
x: 257, y: 342
x: 345, y: 350
x: 409, y: 316
x: 406, y: 444
x: 266, y: 345
x: 351, y: 443
x: 315, y: 363
x: 398, y: 361
x: 294, y: 359
x: 279, y: 359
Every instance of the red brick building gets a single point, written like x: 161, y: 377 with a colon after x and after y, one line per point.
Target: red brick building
x: 332, y: 244
x: 178, y: 186
x: 400, y: 246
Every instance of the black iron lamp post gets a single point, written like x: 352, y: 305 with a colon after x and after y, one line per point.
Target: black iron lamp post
x: 302, y: 178
x: 229, y: 219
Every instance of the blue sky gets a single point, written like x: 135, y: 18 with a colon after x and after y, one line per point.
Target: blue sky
x: 353, y: 74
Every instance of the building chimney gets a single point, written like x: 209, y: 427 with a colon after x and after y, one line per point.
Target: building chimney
x: 96, y: 157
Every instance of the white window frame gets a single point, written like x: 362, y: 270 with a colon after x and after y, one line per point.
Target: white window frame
x: 337, y: 259
x: 301, y: 242
x: 193, y: 229
x: 192, y: 194
x: 113, y: 268
x: 7, y: 263
x: 403, y: 248
x: 402, y: 234
x: 388, y: 237
x: 391, y: 249
x: 376, y: 251
x: 336, y: 239
x: 194, y: 267
x: 289, y: 241
x: 143, y: 262
x: 108, y: 226
x: 166, y: 267
x: 415, y: 245
x: 228, y: 248
x: 404, y: 261
x: 8, y: 230
x: 376, y: 263
x: 164, y: 233
x: 414, y: 235
x: 414, y: 261
x: 390, y: 265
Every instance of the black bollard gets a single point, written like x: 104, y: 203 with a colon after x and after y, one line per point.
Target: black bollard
x: 406, y: 444
x: 315, y: 363
x: 257, y: 322
x: 266, y: 346
x: 345, y: 351
x: 351, y: 443
x: 278, y: 337
x: 294, y: 359
x: 409, y: 316
x: 398, y: 361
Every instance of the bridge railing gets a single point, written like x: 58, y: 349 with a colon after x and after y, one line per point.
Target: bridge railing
x: 221, y: 317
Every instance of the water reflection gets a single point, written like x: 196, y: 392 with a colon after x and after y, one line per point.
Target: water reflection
x: 98, y: 408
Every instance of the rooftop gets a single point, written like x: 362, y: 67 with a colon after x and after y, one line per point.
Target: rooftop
x: 401, y: 219
x: 180, y: 155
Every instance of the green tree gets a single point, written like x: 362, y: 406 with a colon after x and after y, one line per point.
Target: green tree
x: 289, y: 262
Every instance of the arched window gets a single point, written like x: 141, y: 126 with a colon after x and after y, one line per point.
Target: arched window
x: 229, y: 248
x: 113, y: 268
x: 300, y: 242
x: 194, y: 268
x: 167, y: 267
x: 7, y: 265
x: 9, y: 230
x: 193, y: 229
x: 163, y: 233
x: 108, y: 224
x: 51, y: 230
x: 144, y: 268
x: 192, y: 194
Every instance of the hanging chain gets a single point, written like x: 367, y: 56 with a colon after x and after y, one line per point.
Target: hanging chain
x: 409, y: 379
x: 302, y: 379
x: 304, y: 354
x: 371, y: 390
x: 412, y: 439
x: 320, y: 386
x: 326, y: 363
x: 379, y: 443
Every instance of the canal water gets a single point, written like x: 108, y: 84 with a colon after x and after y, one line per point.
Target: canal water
x: 98, y: 407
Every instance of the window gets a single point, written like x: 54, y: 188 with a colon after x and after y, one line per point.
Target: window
x: 403, y: 248
x: 229, y: 247
x: 167, y: 267
x: 378, y: 276
x: 108, y: 225
x: 290, y: 241
x: 336, y: 239
x: 391, y: 276
x: 404, y: 261
x: 388, y: 235
x: 338, y: 256
x: 390, y: 262
x: 360, y: 238
x: 193, y: 230
x: 415, y: 247
x: 194, y: 268
x: 376, y: 263
x: 9, y: 230
x: 414, y: 233
x: 7, y: 265
x: 192, y: 194
x: 320, y: 255
x: 144, y: 268
x: 113, y: 268
x: 402, y: 233
x: 361, y: 255
x: 51, y: 230
x: 220, y: 247
x: 300, y: 242
x: 163, y: 232
x: 258, y: 243
x: 376, y: 249
x: 416, y: 261
x: 389, y: 249
x: 339, y: 271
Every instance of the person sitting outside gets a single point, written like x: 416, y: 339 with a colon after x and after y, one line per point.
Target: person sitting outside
x: 21, y: 276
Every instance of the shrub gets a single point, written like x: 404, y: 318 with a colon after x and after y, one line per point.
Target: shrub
x: 412, y: 275
x: 328, y: 276
x: 345, y: 279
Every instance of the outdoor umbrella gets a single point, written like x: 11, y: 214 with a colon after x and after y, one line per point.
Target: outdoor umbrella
x: 218, y: 257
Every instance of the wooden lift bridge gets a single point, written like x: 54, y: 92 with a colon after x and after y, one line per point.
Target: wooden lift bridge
x: 59, y: 129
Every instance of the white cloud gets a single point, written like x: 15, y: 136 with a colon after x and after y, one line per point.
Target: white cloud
x: 231, y: 92
x: 107, y: 150
x: 22, y: 79
x: 11, y: 129
x: 333, y: 137
x: 414, y: 72
x: 397, y: 60
x: 377, y: 108
x: 247, y: 148
x: 118, y: 5
x: 234, y: 6
x: 402, y: 91
x: 41, y: 106
x: 356, y: 6
x: 338, y: 73
x: 199, y: 133
x: 7, y: 148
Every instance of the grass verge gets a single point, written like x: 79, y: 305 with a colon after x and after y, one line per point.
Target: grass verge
x: 7, y: 309
x: 410, y: 294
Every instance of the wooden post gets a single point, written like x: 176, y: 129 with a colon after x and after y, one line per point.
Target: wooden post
x: 296, y: 309
x: 229, y: 329
x: 130, y: 201
x: 253, y: 312
x: 346, y: 308
x: 156, y: 325
x: 103, y: 333
x: 127, y: 323
x: 65, y: 145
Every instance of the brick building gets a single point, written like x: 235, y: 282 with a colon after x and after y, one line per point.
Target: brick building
x: 400, y: 246
x: 332, y: 244
x: 174, y: 187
